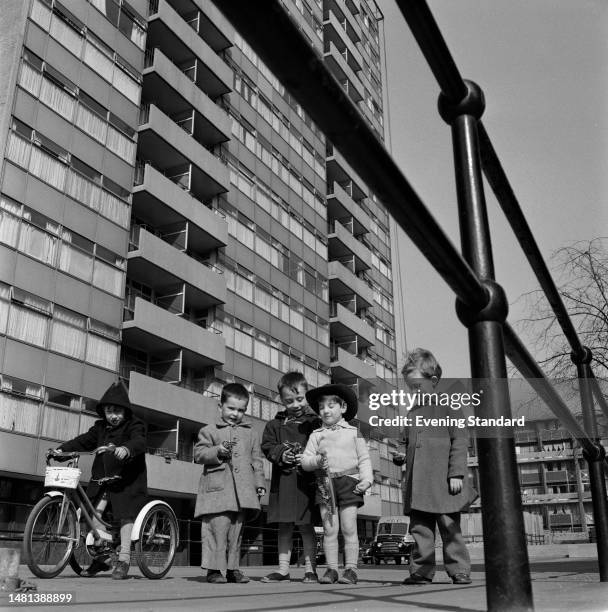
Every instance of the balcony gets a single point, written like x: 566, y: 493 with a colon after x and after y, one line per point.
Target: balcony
x: 371, y: 508
x: 342, y: 70
x: 174, y: 476
x: 343, y: 322
x: 172, y: 399
x: 333, y: 30
x: 343, y: 283
x: 168, y: 31
x: 167, y: 145
x: 342, y: 244
x: 160, y: 201
x: 157, y: 263
x: 527, y: 479
x: 154, y: 329
x: 340, y: 171
x: 176, y: 93
x: 340, y: 204
x: 209, y: 23
x: 347, y: 22
x: 556, y: 476
x: 345, y: 365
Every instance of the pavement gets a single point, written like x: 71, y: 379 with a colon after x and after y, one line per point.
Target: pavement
x: 558, y: 585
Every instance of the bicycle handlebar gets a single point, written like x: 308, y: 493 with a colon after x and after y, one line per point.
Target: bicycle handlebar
x: 53, y: 454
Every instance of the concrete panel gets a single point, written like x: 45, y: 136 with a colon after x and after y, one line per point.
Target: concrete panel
x: 24, y: 361
x: 36, y: 39
x: 18, y: 455
x: 8, y: 258
x: 106, y: 308
x: 33, y: 276
x: 175, y: 476
x: 243, y: 367
x: 72, y: 293
x: 111, y: 236
x: 170, y: 399
x: 14, y: 182
x: 64, y: 373
x: 25, y: 107
x: 44, y: 199
x: 80, y: 218
x: 117, y: 169
x: 95, y: 381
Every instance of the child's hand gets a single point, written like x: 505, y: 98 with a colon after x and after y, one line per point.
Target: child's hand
x: 455, y: 485
x: 362, y: 486
x: 398, y: 458
x: 288, y: 457
x: 121, y: 452
x: 261, y: 491
x: 322, y: 461
x: 224, y: 453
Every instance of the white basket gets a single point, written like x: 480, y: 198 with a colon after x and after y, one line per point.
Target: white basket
x: 60, y: 477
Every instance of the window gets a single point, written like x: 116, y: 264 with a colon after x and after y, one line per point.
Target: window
x: 28, y: 319
x: 68, y: 335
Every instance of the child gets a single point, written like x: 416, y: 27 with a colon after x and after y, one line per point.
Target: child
x: 436, y: 479
x: 292, y: 492
x: 117, y: 427
x: 232, y: 482
x: 338, y: 449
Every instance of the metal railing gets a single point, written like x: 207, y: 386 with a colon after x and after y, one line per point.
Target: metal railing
x: 481, y: 303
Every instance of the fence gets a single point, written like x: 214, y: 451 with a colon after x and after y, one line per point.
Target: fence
x: 482, y: 305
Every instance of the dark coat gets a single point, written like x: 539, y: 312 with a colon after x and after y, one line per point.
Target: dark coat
x: 129, y: 494
x: 292, y: 491
x: 228, y: 486
x: 433, y: 456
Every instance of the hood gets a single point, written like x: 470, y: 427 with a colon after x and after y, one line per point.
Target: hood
x: 117, y: 395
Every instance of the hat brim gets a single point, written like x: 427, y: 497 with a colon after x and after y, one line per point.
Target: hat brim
x: 342, y: 391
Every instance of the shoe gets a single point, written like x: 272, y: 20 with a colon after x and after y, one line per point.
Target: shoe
x: 461, y: 579
x: 120, y: 571
x: 310, y: 577
x: 98, y: 565
x: 329, y: 577
x: 237, y: 576
x: 216, y: 576
x: 276, y: 577
x: 348, y: 577
x: 417, y: 579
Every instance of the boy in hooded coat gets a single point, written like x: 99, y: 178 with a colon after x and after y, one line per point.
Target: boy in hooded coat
x: 120, y: 428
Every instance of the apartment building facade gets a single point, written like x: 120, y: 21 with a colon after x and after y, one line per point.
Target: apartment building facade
x: 170, y: 215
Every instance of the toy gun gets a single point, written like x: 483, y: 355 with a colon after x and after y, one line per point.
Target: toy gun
x: 325, y: 486
x: 229, y: 445
x: 295, y: 448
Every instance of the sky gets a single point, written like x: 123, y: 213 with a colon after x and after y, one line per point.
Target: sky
x: 542, y: 67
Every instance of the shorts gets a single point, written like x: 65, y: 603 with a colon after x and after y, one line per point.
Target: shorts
x: 344, y: 489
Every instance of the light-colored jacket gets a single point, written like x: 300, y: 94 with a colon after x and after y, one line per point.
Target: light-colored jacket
x: 345, y: 449
x: 228, y: 486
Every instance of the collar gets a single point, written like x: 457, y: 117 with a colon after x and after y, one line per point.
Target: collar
x: 219, y: 422
x: 341, y: 424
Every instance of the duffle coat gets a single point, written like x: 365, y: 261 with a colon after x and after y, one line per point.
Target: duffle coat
x: 292, y: 491
x: 129, y: 494
x: 434, y: 454
x: 228, y: 485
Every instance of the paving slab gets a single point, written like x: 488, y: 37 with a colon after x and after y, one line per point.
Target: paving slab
x: 558, y: 585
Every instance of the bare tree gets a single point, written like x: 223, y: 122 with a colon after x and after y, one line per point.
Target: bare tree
x: 581, y: 273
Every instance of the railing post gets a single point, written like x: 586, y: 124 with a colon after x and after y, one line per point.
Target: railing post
x: 508, y: 584
x: 595, y: 461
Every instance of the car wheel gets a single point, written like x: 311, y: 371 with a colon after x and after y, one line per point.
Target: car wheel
x: 398, y: 560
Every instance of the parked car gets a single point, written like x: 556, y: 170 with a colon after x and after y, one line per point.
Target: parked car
x: 365, y: 552
x: 393, y: 540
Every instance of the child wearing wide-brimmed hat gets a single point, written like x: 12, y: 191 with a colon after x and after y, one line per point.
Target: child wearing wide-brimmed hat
x: 339, y: 450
